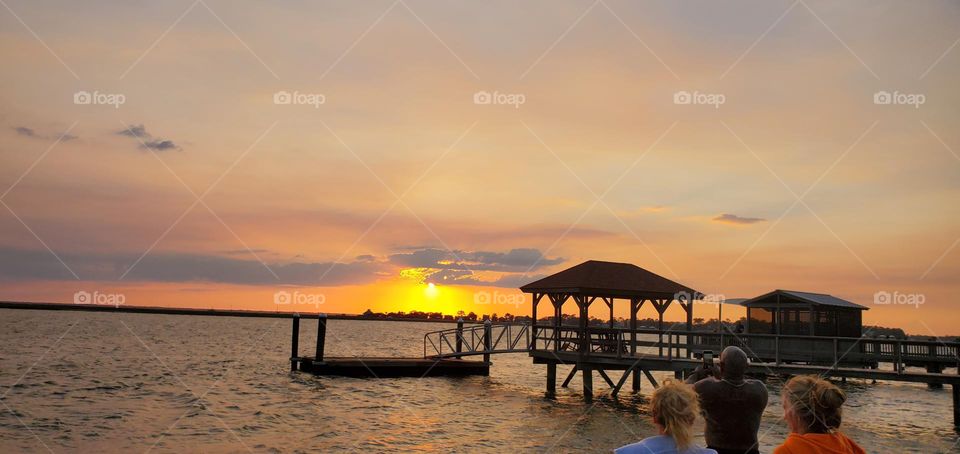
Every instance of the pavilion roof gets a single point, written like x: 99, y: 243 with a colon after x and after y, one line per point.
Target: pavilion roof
x: 610, y: 279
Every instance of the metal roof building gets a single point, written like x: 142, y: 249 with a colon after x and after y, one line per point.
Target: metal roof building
x: 791, y: 312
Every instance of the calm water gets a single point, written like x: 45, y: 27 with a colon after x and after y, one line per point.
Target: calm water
x: 75, y: 381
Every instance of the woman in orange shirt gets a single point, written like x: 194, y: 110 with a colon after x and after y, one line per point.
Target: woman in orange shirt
x: 812, y: 408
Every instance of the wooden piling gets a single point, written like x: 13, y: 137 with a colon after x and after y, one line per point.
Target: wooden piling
x: 551, y: 379
x: 459, y: 343
x: 573, y: 373
x: 295, y: 343
x: 586, y: 374
x: 321, y: 336
x: 956, y: 405
x: 934, y: 368
x: 487, y: 340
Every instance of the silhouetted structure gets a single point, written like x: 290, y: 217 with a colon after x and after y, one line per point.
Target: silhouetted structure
x: 789, y: 312
x: 608, y: 281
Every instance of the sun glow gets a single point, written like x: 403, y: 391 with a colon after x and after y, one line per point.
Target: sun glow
x: 432, y: 291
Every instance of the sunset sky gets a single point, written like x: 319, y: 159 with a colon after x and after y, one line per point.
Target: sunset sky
x: 204, y: 189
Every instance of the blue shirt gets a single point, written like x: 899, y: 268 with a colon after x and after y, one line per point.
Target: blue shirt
x: 660, y: 444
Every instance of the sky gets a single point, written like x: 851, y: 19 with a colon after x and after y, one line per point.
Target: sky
x: 340, y: 156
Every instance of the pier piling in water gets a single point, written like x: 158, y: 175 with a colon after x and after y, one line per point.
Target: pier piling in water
x: 321, y: 336
x: 956, y: 405
x: 551, y: 379
x: 459, y: 342
x: 295, y: 342
x: 487, y: 340
x: 586, y: 373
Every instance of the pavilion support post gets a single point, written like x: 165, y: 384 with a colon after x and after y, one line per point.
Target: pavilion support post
x: 635, y: 305
x: 533, y: 320
x: 609, y: 302
x: 557, y: 323
x: 661, y: 306
x: 551, y: 378
x: 584, y: 325
x: 689, y: 309
x: 557, y: 299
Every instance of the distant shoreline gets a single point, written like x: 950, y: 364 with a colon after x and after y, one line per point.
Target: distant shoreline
x: 26, y: 305
x: 192, y: 311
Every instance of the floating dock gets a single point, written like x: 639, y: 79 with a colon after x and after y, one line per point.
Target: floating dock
x: 393, y: 367
x: 376, y: 367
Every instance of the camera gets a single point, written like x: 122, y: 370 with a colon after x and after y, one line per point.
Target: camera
x: 707, y: 359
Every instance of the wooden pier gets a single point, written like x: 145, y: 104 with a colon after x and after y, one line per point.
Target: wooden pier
x: 793, y: 333
x: 618, y: 355
x: 621, y: 355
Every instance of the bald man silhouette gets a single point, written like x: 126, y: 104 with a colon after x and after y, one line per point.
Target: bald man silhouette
x: 731, y: 405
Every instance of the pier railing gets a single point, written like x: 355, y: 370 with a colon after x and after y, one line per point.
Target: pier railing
x: 482, y: 339
x: 836, y: 351
x: 486, y: 339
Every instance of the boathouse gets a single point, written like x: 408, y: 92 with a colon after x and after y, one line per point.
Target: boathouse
x: 788, y: 312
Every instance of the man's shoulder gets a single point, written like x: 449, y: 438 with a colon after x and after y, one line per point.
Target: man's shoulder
x: 756, y: 384
x: 706, y: 383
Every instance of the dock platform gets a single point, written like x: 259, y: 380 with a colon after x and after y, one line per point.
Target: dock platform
x: 393, y: 367
x: 376, y: 367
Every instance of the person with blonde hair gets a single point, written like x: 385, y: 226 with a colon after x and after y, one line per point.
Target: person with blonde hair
x: 812, y: 408
x: 674, y: 407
